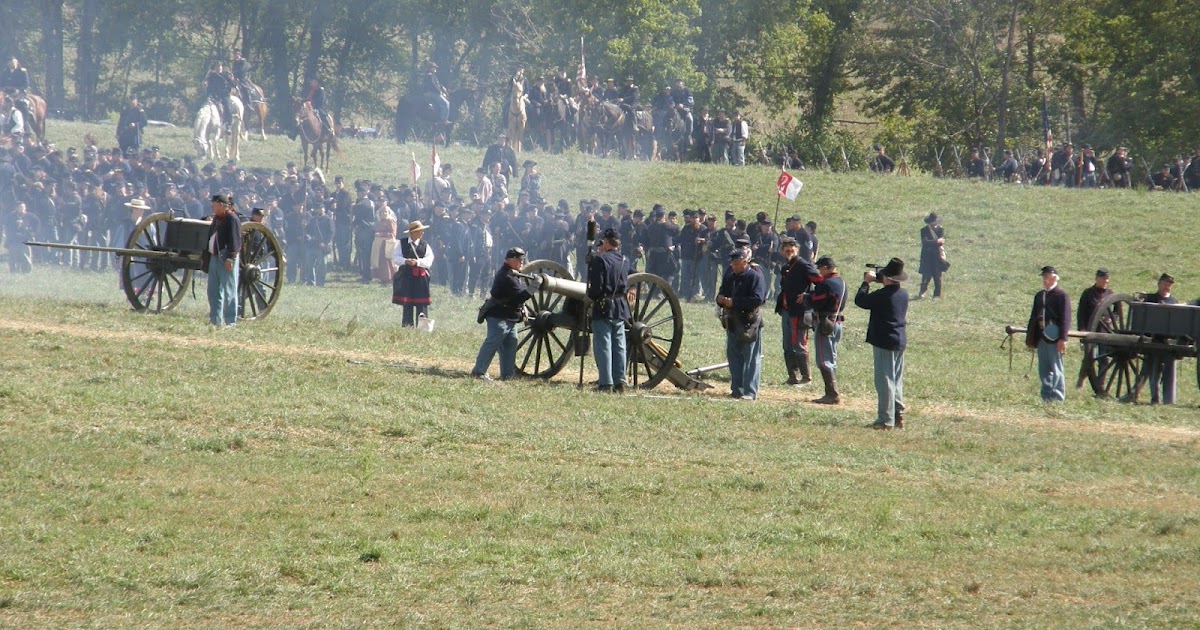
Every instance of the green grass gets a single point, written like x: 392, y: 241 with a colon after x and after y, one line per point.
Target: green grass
x: 326, y: 469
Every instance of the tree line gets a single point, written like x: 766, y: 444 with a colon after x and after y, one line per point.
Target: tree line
x: 933, y: 72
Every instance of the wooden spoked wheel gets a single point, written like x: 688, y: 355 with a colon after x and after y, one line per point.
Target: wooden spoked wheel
x: 261, y: 272
x: 153, y: 283
x: 1114, y: 371
x: 546, y: 339
x: 655, y: 333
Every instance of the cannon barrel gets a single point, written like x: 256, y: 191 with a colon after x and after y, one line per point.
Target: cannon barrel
x: 119, y: 251
x: 1140, y: 342
x: 573, y: 289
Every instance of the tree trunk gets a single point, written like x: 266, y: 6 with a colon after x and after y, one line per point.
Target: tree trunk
x: 52, y: 50
x: 87, y: 66
x: 316, y: 40
x: 1002, y: 103
x: 275, y: 42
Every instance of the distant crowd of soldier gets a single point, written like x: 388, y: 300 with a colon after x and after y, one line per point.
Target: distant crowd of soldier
x: 1084, y: 169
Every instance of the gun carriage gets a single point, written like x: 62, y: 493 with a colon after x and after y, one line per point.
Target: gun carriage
x: 557, y: 327
x: 164, y: 252
x: 1125, y: 335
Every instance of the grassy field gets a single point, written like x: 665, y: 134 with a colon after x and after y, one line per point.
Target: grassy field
x: 326, y: 469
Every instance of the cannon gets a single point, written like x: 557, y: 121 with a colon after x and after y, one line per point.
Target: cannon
x: 1125, y: 335
x: 557, y: 327
x: 164, y: 252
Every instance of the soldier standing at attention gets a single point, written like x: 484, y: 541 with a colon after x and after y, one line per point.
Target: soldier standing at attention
x: 795, y: 280
x: 1162, y: 366
x: 828, y: 301
x: 608, y: 281
x: 1049, y: 322
x: 742, y: 294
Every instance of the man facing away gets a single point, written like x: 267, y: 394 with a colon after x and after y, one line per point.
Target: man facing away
x: 886, y: 334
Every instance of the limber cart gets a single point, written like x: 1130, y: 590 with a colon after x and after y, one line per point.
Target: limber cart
x: 164, y: 252
x: 1125, y: 336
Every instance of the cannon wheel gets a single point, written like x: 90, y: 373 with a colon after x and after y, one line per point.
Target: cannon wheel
x: 261, y: 272
x: 152, y: 284
x: 655, y: 334
x: 1114, y: 371
x: 543, y: 347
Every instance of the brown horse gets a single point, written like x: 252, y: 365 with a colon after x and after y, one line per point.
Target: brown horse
x: 256, y: 102
x: 311, y: 131
x: 33, y: 108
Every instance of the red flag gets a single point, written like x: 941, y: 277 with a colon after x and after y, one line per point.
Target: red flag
x: 788, y: 186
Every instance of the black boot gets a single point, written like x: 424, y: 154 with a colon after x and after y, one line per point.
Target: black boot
x: 831, y: 394
x: 805, y: 375
x: 793, y: 377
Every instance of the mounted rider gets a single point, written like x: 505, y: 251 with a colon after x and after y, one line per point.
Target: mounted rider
x: 684, y: 103
x: 435, y: 93
x: 218, y: 86
x: 315, y: 97
x: 538, y: 98
x: 628, y: 100
x: 241, y: 68
x: 15, y: 80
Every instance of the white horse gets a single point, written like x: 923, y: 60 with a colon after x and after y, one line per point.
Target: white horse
x: 233, y: 144
x: 206, y: 133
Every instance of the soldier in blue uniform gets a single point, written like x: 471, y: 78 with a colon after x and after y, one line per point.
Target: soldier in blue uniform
x: 1162, y: 365
x: 796, y: 279
x: 503, y: 315
x: 1049, y: 323
x: 828, y: 302
x: 608, y: 281
x: 742, y: 294
x: 682, y: 98
x: 130, y: 125
x: 218, y: 85
x: 15, y: 80
x: 432, y: 88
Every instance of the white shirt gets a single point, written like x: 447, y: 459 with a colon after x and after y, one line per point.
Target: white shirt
x: 425, y: 262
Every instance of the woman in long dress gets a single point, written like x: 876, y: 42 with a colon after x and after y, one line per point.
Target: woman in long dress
x: 384, y: 246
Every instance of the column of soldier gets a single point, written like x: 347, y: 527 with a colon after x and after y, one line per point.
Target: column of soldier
x: 1084, y: 169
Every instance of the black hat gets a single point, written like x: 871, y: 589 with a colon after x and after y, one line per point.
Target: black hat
x: 729, y: 216
x: 1166, y: 277
x: 742, y: 241
x: 737, y: 254
x: 515, y: 252
x: 787, y: 241
x: 1102, y: 273
x: 638, y: 213
x: 221, y: 198
x: 671, y: 214
x: 528, y: 164
x: 795, y: 218
x: 1048, y: 269
x: 611, y: 234
x: 688, y: 212
x: 257, y: 212
x: 894, y: 270
x: 826, y: 261
x: 931, y: 218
